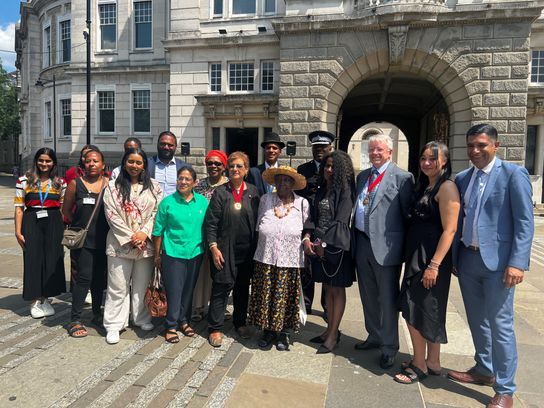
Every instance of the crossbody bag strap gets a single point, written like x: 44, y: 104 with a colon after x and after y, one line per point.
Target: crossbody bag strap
x: 96, y: 204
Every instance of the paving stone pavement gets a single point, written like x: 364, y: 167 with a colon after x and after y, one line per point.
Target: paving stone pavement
x: 41, y: 366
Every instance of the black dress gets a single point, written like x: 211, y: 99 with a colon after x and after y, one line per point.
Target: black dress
x: 330, y: 222
x: 425, y: 309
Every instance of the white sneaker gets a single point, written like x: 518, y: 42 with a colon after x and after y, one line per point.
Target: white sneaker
x: 88, y: 299
x: 47, y: 308
x: 36, y: 310
x: 147, y: 326
x: 112, y: 337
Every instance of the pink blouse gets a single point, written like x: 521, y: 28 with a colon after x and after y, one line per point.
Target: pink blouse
x: 280, y: 238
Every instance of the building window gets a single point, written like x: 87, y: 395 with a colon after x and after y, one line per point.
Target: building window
x: 241, y: 76
x: 65, y: 41
x: 141, y: 110
x: 269, y: 6
x: 106, y: 111
x: 66, y: 117
x: 108, y: 26
x: 217, y: 8
x: 530, y: 148
x: 47, y: 130
x: 267, y: 76
x: 143, y: 17
x: 47, y: 46
x: 243, y: 6
x: 215, y: 77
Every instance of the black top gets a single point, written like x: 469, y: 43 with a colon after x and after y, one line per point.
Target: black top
x: 98, y: 230
x: 224, y: 227
x: 311, y: 174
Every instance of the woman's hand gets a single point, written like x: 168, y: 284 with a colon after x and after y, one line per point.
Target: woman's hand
x: 20, y: 240
x: 429, y: 278
x: 217, y: 258
x: 157, y: 261
x: 139, y: 239
x: 308, y: 248
x: 319, y: 250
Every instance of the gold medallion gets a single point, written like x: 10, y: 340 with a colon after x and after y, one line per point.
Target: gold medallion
x: 238, y: 206
x: 366, y: 201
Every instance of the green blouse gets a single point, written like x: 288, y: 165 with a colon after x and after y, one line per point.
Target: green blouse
x: 180, y: 223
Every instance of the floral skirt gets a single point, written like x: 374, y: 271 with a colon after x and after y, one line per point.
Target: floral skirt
x: 275, y: 296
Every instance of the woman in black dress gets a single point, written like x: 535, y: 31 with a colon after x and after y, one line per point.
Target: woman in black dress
x: 89, y: 262
x: 426, y: 281
x: 327, y: 241
x: 230, y: 228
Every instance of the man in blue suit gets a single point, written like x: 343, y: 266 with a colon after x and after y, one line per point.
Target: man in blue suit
x: 491, y: 253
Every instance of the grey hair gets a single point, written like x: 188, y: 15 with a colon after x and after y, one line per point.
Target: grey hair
x: 382, y: 138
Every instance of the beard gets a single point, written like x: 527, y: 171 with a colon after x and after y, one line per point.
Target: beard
x: 165, y: 154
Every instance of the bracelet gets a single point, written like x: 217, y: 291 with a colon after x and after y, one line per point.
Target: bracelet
x: 434, y: 262
x: 212, y: 244
x: 432, y: 267
x: 305, y: 239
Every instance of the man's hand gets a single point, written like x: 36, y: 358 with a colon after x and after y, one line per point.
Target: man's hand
x: 512, y: 276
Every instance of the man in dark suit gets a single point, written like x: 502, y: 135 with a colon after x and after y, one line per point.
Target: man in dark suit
x: 164, y: 167
x: 321, y: 142
x: 384, y: 197
x: 491, y: 252
x: 272, y: 146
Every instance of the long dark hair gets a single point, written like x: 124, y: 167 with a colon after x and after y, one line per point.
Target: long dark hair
x: 33, y: 174
x: 122, y: 182
x: 343, y: 177
x: 422, y: 189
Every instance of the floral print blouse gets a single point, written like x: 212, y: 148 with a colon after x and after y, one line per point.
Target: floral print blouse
x: 137, y: 214
x: 279, y: 241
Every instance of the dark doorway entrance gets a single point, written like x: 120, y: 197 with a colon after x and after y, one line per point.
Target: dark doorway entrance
x: 244, y: 140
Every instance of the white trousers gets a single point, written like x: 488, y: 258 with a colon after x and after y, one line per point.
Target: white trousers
x: 127, y: 283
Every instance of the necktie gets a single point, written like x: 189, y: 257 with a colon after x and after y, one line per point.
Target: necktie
x: 475, y: 193
x: 371, y: 195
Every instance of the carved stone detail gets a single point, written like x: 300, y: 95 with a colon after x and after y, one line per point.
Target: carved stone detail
x: 397, y: 43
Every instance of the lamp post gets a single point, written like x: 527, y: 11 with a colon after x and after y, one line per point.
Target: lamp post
x: 88, y: 69
x: 41, y: 82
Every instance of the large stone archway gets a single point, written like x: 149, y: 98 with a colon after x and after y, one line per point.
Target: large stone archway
x: 479, y: 69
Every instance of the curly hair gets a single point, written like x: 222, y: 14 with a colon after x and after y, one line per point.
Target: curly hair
x: 343, y: 177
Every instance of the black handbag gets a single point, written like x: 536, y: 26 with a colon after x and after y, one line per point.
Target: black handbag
x: 74, y: 237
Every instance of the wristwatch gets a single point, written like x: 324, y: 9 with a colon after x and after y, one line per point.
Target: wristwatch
x: 323, y: 244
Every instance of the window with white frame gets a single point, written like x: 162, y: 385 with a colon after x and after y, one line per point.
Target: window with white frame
x: 217, y: 8
x: 47, y: 116
x: 65, y: 42
x: 241, y: 76
x: 269, y: 6
x: 47, y: 46
x: 215, y: 77
x: 537, y: 66
x: 267, y: 76
x: 141, y: 110
x: 108, y: 25
x: 143, y: 24
x: 66, y: 117
x: 243, y: 6
x: 106, y: 111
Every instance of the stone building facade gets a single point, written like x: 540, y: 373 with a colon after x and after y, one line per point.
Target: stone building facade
x: 224, y: 72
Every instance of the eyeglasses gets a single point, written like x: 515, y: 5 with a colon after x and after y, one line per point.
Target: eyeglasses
x: 216, y: 164
x: 236, y: 166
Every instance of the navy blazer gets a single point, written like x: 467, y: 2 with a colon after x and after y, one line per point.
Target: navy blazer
x: 255, y: 177
x: 505, y: 221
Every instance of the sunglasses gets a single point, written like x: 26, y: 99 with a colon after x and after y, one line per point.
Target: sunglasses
x: 236, y: 166
x: 216, y: 164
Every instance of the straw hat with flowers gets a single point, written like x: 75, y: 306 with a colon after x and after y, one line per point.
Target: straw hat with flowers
x: 270, y: 173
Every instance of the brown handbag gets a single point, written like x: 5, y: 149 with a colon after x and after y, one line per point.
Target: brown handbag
x: 155, y: 296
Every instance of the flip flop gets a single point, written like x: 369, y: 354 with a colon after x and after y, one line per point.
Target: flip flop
x: 413, y: 377
x: 172, y: 339
x: 405, y: 364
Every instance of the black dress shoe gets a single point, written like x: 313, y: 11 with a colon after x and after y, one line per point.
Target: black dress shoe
x: 267, y: 339
x: 386, y: 361
x: 366, y: 345
x: 323, y: 350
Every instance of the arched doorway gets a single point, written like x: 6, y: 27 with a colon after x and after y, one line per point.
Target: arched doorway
x: 406, y: 101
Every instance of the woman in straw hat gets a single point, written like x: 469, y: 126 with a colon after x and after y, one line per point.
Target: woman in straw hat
x: 279, y: 258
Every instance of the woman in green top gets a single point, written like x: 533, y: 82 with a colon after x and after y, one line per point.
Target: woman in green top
x: 178, y: 238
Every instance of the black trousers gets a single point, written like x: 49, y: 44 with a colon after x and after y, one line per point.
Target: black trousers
x: 90, y: 267
x: 240, y: 299
x: 308, y: 289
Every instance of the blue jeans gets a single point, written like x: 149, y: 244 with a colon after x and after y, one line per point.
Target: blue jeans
x: 179, y: 277
x: 490, y: 313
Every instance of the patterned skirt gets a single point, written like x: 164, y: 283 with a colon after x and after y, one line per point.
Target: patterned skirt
x: 275, y: 296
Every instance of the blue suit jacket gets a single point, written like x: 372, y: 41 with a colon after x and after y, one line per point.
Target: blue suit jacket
x: 505, y: 222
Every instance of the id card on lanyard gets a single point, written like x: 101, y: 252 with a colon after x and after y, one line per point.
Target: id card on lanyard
x: 43, y: 212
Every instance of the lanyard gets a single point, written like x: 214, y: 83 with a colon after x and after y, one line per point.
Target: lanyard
x: 374, y: 183
x: 43, y: 198
x: 238, y: 196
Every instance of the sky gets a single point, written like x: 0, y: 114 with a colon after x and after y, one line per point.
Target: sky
x: 8, y: 17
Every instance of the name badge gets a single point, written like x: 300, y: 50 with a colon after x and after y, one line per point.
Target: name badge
x: 89, y: 200
x: 41, y: 214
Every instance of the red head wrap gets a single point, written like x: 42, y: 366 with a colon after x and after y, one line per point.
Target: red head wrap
x: 218, y: 153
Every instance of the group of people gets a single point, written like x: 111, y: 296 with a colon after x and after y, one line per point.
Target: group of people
x: 268, y: 233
